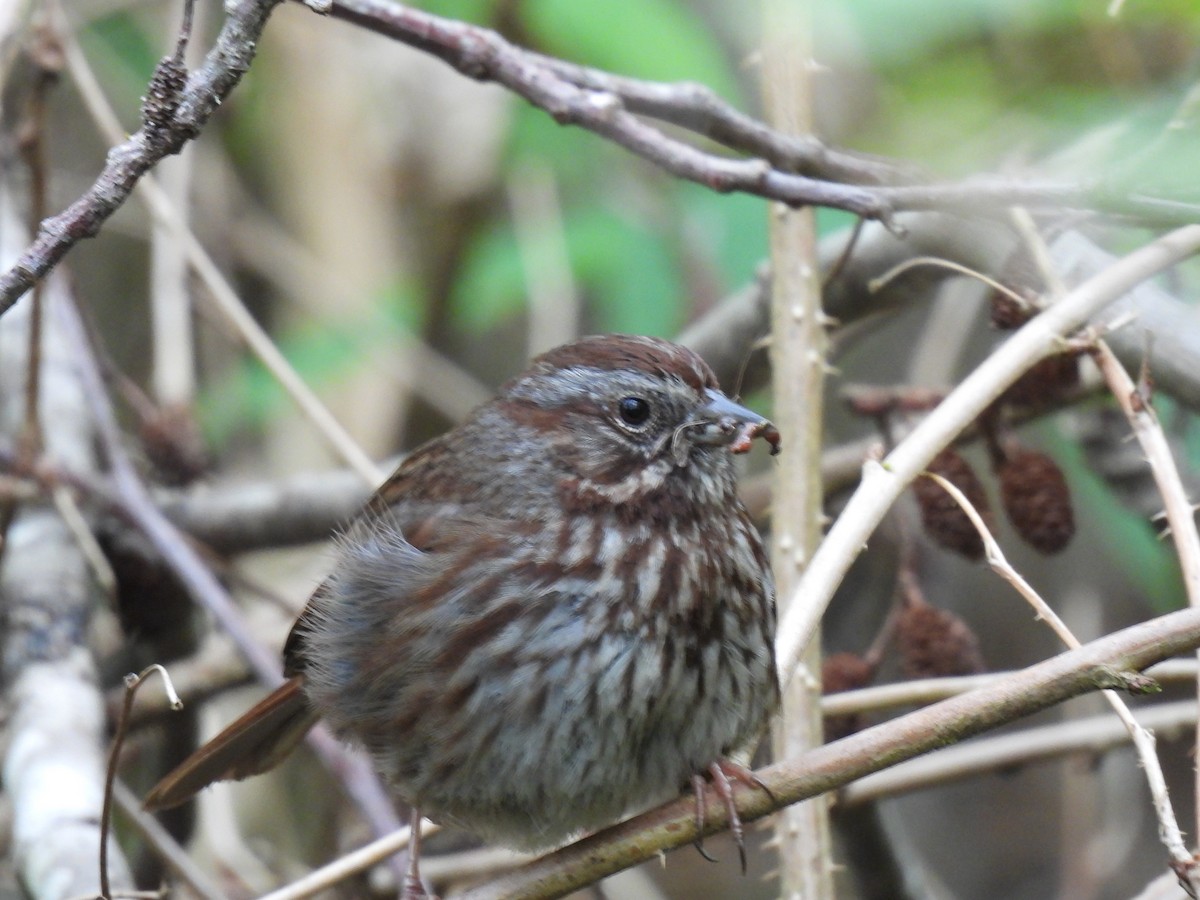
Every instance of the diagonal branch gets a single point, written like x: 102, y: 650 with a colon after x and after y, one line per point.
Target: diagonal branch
x: 882, y: 483
x: 609, y: 105
x: 697, y: 108
x: 484, y: 55
x: 1104, y: 663
x: 159, y: 137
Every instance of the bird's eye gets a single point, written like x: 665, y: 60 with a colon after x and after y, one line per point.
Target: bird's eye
x: 634, y: 411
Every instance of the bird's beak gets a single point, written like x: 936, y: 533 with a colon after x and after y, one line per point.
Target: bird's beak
x: 732, y: 425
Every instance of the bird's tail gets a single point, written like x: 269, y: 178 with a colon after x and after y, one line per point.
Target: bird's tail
x: 254, y: 743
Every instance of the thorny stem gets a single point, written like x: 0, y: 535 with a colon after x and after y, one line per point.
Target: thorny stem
x: 1180, y: 518
x: 1143, y: 740
x: 882, y: 482
x: 798, y: 354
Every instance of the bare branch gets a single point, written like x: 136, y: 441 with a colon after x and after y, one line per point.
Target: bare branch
x: 609, y: 107
x: 1143, y: 740
x: 882, y: 484
x: 223, y: 68
x: 53, y: 770
x: 1104, y: 663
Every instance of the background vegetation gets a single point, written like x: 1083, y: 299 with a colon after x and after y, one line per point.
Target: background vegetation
x: 408, y: 237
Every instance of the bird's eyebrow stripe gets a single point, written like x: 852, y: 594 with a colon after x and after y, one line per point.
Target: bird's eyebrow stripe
x: 648, y: 356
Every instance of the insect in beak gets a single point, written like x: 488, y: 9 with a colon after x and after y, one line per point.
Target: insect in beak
x: 733, y: 425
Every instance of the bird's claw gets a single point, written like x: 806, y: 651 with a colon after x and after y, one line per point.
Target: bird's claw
x: 722, y: 774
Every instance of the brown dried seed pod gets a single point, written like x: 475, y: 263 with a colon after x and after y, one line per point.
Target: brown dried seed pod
x: 172, y: 442
x: 934, y: 642
x: 162, y: 94
x: 1037, y: 499
x: 942, y: 518
x: 1045, y: 383
x: 844, y: 672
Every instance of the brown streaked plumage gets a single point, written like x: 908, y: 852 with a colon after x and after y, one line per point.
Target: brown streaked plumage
x: 555, y: 613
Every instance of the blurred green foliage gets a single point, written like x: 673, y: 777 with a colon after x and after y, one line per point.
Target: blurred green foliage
x: 661, y: 40
x: 956, y: 86
x: 614, y: 257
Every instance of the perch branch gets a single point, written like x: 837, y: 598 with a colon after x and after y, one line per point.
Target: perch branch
x: 1104, y: 663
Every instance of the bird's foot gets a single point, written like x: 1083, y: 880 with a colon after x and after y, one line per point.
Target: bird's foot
x: 414, y: 888
x: 723, y: 773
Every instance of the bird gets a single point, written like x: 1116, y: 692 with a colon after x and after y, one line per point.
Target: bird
x: 554, y: 614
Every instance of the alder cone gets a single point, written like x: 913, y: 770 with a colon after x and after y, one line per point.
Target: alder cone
x: 942, y: 518
x: 173, y: 443
x: 844, y: 672
x: 1037, y: 499
x: 560, y: 610
x: 935, y: 643
x: 1045, y: 383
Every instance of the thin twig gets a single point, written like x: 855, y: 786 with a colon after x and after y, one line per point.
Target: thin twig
x: 46, y: 56
x: 1179, y: 510
x: 697, y: 108
x: 173, y: 356
x: 85, y: 539
x: 877, y: 284
x: 132, y: 683
x: 923, y: 691
x: 127, y: 162
x: 999, y: 563
x: 1146, y: 428
x: 264, y: 247
x: 1004, y: 752
x: 350, y: 864
x: 220, y: 291
x: 844, y: 257
x: 1143, y: 740
x: 883, y: 482
x: 361, y: 783
x: 552, y: 296
x: 164, y: 844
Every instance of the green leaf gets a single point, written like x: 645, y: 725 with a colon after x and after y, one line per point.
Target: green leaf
x: 536, y: 139
x: 731, y: 228
x: 888, y: 32
x: 123, y: 54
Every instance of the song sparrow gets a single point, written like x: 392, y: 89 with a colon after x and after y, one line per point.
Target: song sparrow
x: 555, y: 613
